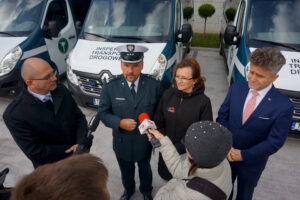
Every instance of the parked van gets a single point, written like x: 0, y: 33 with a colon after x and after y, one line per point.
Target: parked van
x: 155, y: 24
x: 265, y: 23
x: 33, y: 28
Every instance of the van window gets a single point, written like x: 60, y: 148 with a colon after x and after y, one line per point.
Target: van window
x: 57, y: 11
x: 230, y: 4
x: 241, y: 18
x: 274, y: 23
x: 129, y: 20
x: 178, y: 16
x: 19, y: 17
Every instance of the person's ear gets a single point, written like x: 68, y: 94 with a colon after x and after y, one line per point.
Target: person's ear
x: 28, y: 82
x: 275, y: 77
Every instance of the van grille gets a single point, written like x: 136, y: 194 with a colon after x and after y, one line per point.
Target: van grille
x: 90, y: 85
x: 296, y: 102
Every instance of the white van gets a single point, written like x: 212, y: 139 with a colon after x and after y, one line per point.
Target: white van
x: 155, y: 24
x: 33, y: 28
x: 261, y: 23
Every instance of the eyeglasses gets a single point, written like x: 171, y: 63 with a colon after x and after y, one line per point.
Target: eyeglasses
x: 177, y: 78
x: 47, y: 78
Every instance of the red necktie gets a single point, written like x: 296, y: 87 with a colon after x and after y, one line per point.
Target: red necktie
x: 250, y: 106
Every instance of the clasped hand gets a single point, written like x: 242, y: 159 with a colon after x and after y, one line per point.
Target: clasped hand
x: 127, y: 124
x: 234, y: 155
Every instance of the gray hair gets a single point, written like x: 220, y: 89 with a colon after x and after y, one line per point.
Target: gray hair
x: 268, y: 58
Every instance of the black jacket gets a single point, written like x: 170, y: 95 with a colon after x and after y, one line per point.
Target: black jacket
x: 177, y: 110
x: 44, y: 135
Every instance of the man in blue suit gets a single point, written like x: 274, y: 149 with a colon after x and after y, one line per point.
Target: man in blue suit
x: 258, y: 116
x: 122, y: 100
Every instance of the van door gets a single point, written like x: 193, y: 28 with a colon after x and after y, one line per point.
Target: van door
x: 59, y: 32
x: 232, y: 51
x: 178, y: 23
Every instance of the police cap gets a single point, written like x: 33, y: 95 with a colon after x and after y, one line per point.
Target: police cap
x: 131, y: 53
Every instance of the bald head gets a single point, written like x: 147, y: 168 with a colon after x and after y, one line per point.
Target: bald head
x: 39, y: 76
x: 32, y: 67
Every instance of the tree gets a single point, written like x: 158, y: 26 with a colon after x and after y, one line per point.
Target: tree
x: 188, y: 12
x: 230, y: 14
x: 205, y: 11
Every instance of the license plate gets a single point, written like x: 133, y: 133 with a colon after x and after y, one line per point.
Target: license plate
x: 96, y: 101
x: 295, y: 126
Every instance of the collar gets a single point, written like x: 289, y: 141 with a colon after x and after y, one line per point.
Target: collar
x: 136, y: 83
x: 39, y: 96
x: 264, y: 91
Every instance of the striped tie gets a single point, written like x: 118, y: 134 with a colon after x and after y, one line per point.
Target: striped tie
x: 250, y: 106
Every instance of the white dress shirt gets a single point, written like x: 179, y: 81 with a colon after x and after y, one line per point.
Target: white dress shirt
x: 136, y: 83
x: 39, y: 96
x: 261, y: 94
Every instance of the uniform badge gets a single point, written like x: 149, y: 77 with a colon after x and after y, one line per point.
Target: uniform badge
x: 171, y: 109
x: 130, y: 48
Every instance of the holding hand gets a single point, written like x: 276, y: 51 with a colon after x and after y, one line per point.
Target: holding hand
x: 156, y: 134
x: 72, y: 149
x: 127, y: 124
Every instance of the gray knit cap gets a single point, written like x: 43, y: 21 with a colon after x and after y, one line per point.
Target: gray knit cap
x: 208, y: 143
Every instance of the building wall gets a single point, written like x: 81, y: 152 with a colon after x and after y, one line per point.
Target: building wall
x: 213, y: 23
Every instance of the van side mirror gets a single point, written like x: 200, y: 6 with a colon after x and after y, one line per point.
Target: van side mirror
x: 50, y: 30
x: 230, y: 35
x: 185, y: 34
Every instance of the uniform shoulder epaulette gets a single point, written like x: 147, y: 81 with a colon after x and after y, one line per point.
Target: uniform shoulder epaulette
x: 150, y: 76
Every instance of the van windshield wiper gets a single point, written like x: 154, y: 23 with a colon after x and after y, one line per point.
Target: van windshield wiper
x: 1, y: 32
x: 277, y: 43
x: 133, y: 38
x: 101, y: 36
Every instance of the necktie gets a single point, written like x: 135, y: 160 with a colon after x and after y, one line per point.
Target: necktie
x: 250, y: 106
x: 132, y: 90
x: 47, y: 98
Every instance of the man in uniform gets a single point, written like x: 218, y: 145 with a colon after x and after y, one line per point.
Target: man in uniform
x: 44, y: 119
x: 122, y: 100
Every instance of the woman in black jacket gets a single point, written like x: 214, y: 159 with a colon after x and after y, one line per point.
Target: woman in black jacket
x: 181, y: 105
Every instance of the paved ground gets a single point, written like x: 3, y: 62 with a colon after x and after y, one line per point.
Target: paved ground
x: 280, y: 180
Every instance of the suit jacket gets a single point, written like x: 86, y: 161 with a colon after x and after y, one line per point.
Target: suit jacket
x: 265, y: 130
x: 44, y: 135
x: 117, y: 102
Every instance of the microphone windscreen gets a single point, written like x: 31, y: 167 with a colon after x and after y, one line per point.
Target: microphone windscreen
x: 143, y: 116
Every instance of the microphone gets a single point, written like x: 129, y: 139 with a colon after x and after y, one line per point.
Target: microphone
x: 146, y: 124
x: 85, y: 145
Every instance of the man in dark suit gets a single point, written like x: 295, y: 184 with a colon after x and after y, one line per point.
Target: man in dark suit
x: 258, y: 116
x: 44, y: 119
x: 122, y: 100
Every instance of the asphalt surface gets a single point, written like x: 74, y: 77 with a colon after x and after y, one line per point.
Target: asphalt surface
x: 280, y: 180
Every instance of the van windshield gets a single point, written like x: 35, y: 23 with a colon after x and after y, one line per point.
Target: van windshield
x: 19, y: 17
x: 274, y: 23
x: 129, y: 20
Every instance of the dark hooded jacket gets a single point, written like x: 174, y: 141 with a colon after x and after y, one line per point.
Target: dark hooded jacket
x: 176, y: 111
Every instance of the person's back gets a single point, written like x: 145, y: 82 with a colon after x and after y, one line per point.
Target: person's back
x: 207, y: 144
x: 81, y: 177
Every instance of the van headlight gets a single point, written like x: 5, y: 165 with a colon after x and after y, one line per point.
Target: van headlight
x: 10, y: 60
x: 159, y: 67
x: 71, y: 76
